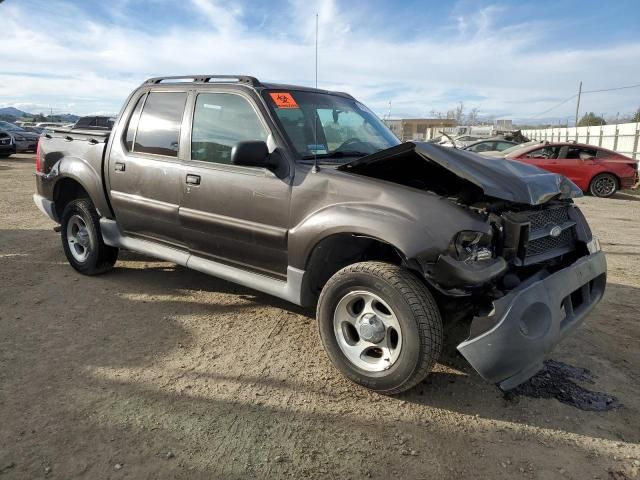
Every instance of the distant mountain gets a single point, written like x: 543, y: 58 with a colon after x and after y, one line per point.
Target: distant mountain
x: 68, y: 117
x: 13, y: 112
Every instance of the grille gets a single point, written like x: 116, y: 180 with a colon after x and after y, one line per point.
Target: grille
x: 541, y: 218
x: 547, y: 244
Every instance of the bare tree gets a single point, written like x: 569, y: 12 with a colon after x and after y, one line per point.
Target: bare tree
x: 472, y: 117
x: 459, y: 113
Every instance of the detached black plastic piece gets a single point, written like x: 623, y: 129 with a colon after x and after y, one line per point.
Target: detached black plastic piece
x: 451, y: 273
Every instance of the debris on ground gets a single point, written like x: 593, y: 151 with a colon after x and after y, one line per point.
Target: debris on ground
x: 556, y: 380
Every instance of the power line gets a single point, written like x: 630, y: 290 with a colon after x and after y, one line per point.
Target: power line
x: 584, y: 92
x: 556, y: 106
x: 612, y: 89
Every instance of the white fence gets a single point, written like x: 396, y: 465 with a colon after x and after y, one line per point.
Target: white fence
x: 623, y: 138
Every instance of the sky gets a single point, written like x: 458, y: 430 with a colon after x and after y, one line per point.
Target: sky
x: 510, y: 59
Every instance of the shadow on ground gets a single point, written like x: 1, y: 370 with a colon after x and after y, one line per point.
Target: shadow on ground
x: 57, y: 328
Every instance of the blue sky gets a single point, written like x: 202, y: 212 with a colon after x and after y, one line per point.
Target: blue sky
x: 510, y: 59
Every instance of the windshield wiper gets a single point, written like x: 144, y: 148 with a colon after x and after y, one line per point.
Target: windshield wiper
x: 337, y: 154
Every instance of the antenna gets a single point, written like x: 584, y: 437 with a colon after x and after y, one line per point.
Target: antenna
x: 315, y: 115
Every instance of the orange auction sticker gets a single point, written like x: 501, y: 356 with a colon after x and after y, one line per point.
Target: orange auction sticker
x: 283, y: 100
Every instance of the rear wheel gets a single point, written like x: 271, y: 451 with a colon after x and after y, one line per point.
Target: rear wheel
x: 603, y: 185
x: 82, y: 239
x: 380, y: 326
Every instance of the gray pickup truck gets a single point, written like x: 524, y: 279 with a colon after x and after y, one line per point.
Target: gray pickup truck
x: 304, y: 194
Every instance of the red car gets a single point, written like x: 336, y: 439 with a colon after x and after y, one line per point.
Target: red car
x: 596, y: 170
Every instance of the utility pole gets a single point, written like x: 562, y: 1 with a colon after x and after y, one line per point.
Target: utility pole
x: 578, y: 104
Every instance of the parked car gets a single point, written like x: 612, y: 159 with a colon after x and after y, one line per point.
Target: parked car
x: 23, y: 140
x: 31, y: 129
x: 596, y: 170
x: 50, y: 124
x: 389, y: 240
x: 505, y: 153
x: 489, y: 145
x: 95, y: 122
x: 7, y: 145
x: 459, y: 142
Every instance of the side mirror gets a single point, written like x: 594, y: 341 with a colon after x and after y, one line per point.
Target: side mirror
x: 251, y: 154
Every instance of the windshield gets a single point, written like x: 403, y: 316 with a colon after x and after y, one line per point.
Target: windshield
x: 10, y: 127
x: 329, y: 127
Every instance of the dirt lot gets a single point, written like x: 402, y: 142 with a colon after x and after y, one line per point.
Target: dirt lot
x: 155, y: 371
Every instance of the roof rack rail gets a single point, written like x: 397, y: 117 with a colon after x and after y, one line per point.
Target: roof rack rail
x: 253, y: 81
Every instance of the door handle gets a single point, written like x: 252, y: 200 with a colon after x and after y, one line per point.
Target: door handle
x: 193, y: 179
x: 119, y: 167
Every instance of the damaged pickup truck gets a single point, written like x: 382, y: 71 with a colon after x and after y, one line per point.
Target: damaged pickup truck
x: 305, y: 195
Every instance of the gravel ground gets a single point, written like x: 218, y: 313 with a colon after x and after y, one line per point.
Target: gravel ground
x: 155, y: 371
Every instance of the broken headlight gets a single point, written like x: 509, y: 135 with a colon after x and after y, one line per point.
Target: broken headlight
x: 469, y: 246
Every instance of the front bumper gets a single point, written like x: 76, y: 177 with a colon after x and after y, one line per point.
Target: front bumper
x: 527, y: 323
x: 46, y: 206
x: 7, y: 149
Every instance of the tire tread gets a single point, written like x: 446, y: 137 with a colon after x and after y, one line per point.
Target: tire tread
x: 422, y: 304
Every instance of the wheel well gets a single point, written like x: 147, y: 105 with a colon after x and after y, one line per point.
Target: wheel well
x: 336, y: 252
x: 65, y: 191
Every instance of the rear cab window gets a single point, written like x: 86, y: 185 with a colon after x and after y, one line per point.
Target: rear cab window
x: 155, y: 123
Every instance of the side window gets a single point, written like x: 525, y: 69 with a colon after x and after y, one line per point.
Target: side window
x: 133, y: 124
x: 485, y: 147
x: 545, y: 152
x: 159, y: 126
x: 587, y: 153
x: 220, y: 120
x: 573, y: 153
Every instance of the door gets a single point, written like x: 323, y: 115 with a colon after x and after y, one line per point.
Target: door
x: 544, y: 157
x: 145, y: 170
x: 576, y: 162
x: 233, y: 214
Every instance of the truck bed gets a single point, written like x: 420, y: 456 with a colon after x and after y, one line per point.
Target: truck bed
x: 87, y: 145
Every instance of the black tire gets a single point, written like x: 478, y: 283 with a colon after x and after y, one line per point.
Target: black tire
x: 99, y: 257
x: 603, y: 185
x: 416, y: 312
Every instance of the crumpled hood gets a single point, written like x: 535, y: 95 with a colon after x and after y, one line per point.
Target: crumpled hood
x: 497, y: 177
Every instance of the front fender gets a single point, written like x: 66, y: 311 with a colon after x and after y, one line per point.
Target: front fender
x: 411, y: 236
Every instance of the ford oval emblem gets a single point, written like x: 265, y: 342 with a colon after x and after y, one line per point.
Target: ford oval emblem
x: 555, y: 231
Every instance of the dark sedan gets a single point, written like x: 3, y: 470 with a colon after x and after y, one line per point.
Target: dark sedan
x: 23, y: 140
x: 7, y: 146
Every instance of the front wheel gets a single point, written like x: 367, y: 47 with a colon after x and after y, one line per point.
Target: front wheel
x: 82, y: 239
x: 380, y: 326
x: 603, y: 185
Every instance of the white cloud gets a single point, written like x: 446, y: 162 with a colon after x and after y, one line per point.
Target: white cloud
x: 225, y: 18
x: 500, y: 70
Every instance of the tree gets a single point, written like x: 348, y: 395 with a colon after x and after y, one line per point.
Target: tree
x: 636, y: 116
x: 472, y: 118
x: 459, y: 113
x: 591, y: 119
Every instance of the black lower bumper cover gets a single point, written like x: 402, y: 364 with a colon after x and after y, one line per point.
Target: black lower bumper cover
x: 529, y: 322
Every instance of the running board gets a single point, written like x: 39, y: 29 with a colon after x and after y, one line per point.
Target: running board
x: 290, y: 290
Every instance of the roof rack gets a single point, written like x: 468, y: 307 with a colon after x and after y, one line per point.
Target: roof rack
x: 254, y: 82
